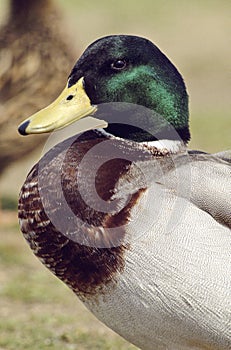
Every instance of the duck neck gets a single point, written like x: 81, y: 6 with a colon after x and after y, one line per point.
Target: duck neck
x: 172, y: 146
x: 140, y: 124
x: 163, y: 145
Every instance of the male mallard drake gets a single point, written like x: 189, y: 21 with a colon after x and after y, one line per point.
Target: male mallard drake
x: 32, y: 47
x: 138, y: 228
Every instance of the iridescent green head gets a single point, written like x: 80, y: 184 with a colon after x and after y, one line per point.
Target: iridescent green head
x: 124, y: 68
x: 130, y: 70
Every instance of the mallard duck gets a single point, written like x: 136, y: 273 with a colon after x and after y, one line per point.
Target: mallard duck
x: 133, y: 222
x: 32, y: 47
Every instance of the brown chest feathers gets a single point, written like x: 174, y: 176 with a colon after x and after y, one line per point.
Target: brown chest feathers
x: 73, y: 215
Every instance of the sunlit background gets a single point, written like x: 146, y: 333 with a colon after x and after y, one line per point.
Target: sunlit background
x: 195, y: 35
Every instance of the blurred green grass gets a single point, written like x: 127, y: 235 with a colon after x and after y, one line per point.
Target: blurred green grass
x: 211, y: 132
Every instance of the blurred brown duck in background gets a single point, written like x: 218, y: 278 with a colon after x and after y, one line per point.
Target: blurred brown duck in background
x: 32, y: 47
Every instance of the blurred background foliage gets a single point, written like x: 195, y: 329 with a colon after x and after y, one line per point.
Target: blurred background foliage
x: 37, y: 311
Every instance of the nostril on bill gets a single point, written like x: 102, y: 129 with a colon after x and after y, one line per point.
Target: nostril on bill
x: 70, y: 97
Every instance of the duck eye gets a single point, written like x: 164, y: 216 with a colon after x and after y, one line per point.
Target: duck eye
x: 118, y: 65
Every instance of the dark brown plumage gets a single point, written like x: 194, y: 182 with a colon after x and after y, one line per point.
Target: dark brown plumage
x: 33, y: 49
x: 84, y: 268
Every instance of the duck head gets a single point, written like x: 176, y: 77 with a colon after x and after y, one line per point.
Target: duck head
x: 121, y: 72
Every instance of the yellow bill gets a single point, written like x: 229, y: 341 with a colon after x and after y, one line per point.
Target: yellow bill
x: 71, y: 105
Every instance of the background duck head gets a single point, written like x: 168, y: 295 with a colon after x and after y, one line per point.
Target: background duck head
x: 132, y: 71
